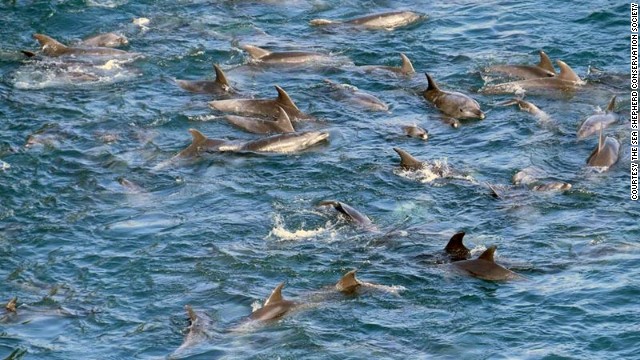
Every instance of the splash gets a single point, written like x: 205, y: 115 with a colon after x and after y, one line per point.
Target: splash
x: 280, y: 232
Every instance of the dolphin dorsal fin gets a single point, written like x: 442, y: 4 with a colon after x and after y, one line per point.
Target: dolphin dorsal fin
x: 276, y: 295
x: 567, y: 73
x: 407, y: 161
x: 488, y: 254
x: 11, y: 305
x: 49, y: 45
x: 455, y: 243
x: 192, y: 314
x: 545, y: 62
x: 198, y: 137
x: 431, y: 83
x: 284, y: 121
x: 220, y: 77
x: 407, y: 67
x: 284, y: 99
x: 256, y: 52
x: 348, y: 282
x: 601, y: 138
x: 612, y: 104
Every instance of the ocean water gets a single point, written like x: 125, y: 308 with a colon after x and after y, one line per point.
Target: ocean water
x: 102, y: 271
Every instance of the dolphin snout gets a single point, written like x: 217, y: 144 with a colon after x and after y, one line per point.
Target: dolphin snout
x: 481, y: 115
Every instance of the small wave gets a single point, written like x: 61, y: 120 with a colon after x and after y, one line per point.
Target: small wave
x: 279, y: 231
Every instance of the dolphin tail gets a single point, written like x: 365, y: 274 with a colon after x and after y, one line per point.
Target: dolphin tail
x: 284, y: 121
x: 545, y: 62
x: 488, y: 254
x: 320, y: 22
x: 432, y: 84
x: 276, y: 295
x: 256, y: 52
x: 567, y: 73
x: 220, y: 77
x: 407, y: 161
x: 612, y: 104
x: 348, y: 282
x: 455, y: 243
x: 284, y: 99
x: 407, y: 67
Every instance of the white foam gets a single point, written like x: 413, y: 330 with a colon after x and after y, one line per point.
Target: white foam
x: 279, y: 231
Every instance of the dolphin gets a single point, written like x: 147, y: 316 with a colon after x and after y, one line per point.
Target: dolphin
x: 260, y: 126
x: 567, y: 80
x: 130, y: 186
x: 199, y: 324
x: 350, y: 213
x: 348, y: 284
x: 408, y: 162
x: 416, y: 132
x: 274, y: 307
x: 453, y: 104
x: 543, y: 69
x: 552, y: 186
x: 485, y: 267
x: 286, y: 57
x: 264, y: 107
x: 357, y: 97
x: 106, y: 40
x: 387, y: 21
x: 11, y: 305
x: 606, y: 153
x: 51, y: 47
x: 594, y: 122
x: 527, y: 107
x: 405, y: 69
x: 218, y: 86
x: 456, y: 249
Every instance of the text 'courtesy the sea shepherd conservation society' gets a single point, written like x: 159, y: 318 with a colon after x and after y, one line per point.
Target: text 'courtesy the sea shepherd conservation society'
x: 634, y: 101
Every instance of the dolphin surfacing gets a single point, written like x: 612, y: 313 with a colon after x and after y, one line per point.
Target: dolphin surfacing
x: 106, y: 40
x: 274, y: 307
x: 358, y: 97
x: 262, y: 107
x: 349, y: 213
x: 453, y: 104
x: 386, y: 21
x: 484, y: 267
x: 219, y: 86
x: 262, y: 126
x: 286, y: 57
x: 594, y: 122
x: 543, y: 69
x: 606, y: 153
x: 406, y: 68
x: 53, y: 48
x: 567, y: 80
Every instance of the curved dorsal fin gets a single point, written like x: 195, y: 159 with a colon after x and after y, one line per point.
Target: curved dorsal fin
x: 407, y: 161
x: 198, y: 137
x: 284, y: 121
x: 256, y: 52
x: 220, y: 77
x: 432, y: 84
x: 49, y: 45
x: 407, y: 67
x: 612, y: 104
x: 192, y: 314
x: 488, y: 254
x: 455, y: 243
x: 348, y: 282
x: 284, y: 99
x: 11, y: 305
x: 545, y: 62
x: 566, y: 73
x: 276, y: 295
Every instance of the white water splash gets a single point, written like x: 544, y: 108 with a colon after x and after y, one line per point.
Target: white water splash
x: 280, y: 232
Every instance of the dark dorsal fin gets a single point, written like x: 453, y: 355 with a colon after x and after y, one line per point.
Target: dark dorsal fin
x: 28, y: 53
x: 284, y: 99
x: 276, y: 295
x: 431, y: 83
x: 545, y: 62
x: 198, y: 137
x: 11, y: 305
x: 407, y: 161
x: 488, y: 254
x: 348, y: 282
x: 494, y: 191
x: 567, y: 73
x: 455, y: 243
x: 255, y: 51
x: 284, y: 121
x: 49, y: 45
x: 407, y: 67
x: 612, y: 104
x: 220, y: 77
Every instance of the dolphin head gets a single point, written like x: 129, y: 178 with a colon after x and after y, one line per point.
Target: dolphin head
x: 469, y: 109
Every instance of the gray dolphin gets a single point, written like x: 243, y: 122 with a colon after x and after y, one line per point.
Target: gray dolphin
x: 416, y: 132
x: 594, y: 122
x: 387, y: 21
x: 285, y: 57
x: 358, y: 97
x: 106, y: 40
x: 348, y: 284
x: 455, y: 249
x: 552, y: 186
x: 408, y: 162
x: 543, y: 69
x: 51, y: 47
x: 606, y: 153
x: 405, y: 69
x: 261, y: 126
x: 350, y: 213
x: 198, y: 330
x: 567, y: 80
x: 274, y: 307
x: 453, y: 104
x: 130, y: 186
x: 218, y: 86
x: 485, y: 267
x: 263, y: 107
x: 527, y: 107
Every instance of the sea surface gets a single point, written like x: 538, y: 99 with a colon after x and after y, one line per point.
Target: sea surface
x: 104, y: 271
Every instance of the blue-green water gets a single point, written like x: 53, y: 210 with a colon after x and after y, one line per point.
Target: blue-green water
x: 102, y: 272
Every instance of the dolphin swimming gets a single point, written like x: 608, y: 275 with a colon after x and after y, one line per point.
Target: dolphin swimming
x: 552, y: 186
x: 567, y: 80
x: 262, y: 126
x: 349, y: 213
x: 543, y: 69
x: 274, y: 307
x: 218, y: 86
x: 387, y: 21
x: 357, y: 97
x: 416, y: 132
x: 594, y: 122
x: 408, y: 162
x: 606, y: 153
x: 453, y: 104
x: 198, y: 330
x: 105, y: 40
x: 405, y: 69
x: 527, y: 107
x: 484, y: 267
x: 285, y: 57
x: 455, y: 249
x: 51, y: 47
x: 263, y: 107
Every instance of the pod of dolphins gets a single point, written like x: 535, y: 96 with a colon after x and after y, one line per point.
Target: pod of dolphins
x: 280, y: 119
